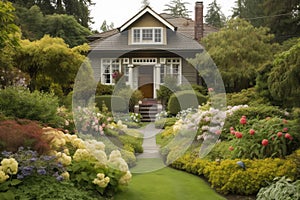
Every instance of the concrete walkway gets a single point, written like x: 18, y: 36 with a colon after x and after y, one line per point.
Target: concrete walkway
x: 151, y: 149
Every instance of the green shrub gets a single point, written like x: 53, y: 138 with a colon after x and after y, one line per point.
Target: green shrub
x: 129, y: 157
x: 132, y: 97
x: 119, y: 104
x: 246, y: 97
x: 257, y: 112
x: 167, y: 89
x: 165, y: 122
x: 104, y: 89
x: 282, y: 189
x: 185, y: 99
x: 227, y: 176
x: 21, y: 103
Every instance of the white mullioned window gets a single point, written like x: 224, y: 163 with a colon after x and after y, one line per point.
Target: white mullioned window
x: 108, y: 67
x: 172, y: 68
x: 147, y: 35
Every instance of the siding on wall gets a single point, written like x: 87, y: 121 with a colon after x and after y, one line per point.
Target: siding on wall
x: 189, y: 73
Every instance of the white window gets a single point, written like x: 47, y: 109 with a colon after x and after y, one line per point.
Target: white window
x: 108, y: 68
x: 147, y: 35
x: 171, y: 68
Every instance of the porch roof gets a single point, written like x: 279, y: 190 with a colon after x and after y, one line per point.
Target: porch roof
x: 118, y: 43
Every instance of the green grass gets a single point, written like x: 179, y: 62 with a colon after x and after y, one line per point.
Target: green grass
x: 168, y: 184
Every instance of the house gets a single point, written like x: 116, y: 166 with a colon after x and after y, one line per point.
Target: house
x: 148, y: 47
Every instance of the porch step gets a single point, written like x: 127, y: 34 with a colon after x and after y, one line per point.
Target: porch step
x: 148, y: 109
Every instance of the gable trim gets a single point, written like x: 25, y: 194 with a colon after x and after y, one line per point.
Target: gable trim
x: 147, y: 9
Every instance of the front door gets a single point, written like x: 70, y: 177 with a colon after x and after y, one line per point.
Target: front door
x: 146, y: 80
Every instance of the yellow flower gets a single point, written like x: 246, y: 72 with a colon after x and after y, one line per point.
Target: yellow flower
x: 101, y: 180
x: 66, y: 176
x: 63, y: 158
x: 3, y: 176
x: 124, y: 180
x: 9, y: 166
x: 81, y: 154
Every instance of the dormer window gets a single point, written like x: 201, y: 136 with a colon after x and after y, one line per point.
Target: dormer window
x: 147, y: 35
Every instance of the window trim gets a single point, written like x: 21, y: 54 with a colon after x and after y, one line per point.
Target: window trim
x: 141, y: 35
x: 169, y: 64
x: 111, y: 60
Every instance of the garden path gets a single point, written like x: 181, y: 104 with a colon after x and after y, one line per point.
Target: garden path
x: 151, y: 149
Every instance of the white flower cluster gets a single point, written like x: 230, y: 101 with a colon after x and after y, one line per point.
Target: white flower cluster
x: 101, y: 180
x: 161, y: 115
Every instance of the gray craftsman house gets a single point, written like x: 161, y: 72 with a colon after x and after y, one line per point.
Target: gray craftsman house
x: 148, y: 47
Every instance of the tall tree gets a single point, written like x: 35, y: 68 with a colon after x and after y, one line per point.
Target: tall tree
x: 50, y: 60
x: 145, y: 3
x: 284, y: 78
x: 251, y: 10
x: 105, y: 27
x: 214, y: 15
x: 66, y: 27
x: 177, y: 8
x: 283, y: 18
x: 238, y: 50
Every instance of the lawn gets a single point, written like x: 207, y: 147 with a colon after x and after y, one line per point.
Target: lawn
x: 167, y: 184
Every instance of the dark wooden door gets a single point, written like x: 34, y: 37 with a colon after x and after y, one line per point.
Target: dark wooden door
x: 146, y: 80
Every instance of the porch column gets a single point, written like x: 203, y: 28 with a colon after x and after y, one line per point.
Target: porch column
x: 156, y: 79
x: 130, y: 75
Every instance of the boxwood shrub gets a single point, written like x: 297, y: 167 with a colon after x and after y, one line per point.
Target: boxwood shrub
x: 183, y: 100
x: 119, y: 104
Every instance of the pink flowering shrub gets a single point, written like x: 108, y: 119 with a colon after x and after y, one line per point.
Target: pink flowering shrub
x: 270, y: 137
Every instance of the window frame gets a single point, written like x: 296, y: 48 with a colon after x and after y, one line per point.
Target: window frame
x: 139, y: 31
x: 109, y: 63
x: 169, y: 67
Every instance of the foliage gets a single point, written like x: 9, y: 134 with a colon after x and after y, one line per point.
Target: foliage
x: 22, y: 133
x: 105, y: 27
x: 281, y: 189
x: 226, y: 176
x: 177, y: 8
x: 145, y: 3
x: 132, y: 97
x: 246, y: 97
x: 104, y: 89
x: 283, y: 79
x: 8, y: 30
x: 214, y: 15
x: 118, y: 103
x: 238, y: 59
x: 165, y: 122
x: 50, y: 60
x: 185, y: 99
x: 167, y: 89
x: 65, y: 27
x: 78, y: 8
x: 21, y: 103
x: 271, y: 137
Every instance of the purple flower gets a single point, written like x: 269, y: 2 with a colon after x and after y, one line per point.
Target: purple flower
x: 59, y: 178
x: 42, y: 171
x: 20, y: 176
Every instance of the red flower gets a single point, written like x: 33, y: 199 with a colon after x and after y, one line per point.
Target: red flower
x: 238, y: 135
x: 264, y: 142
x: 279, y: 134
x: 243, y: 120
x: 288, y: 136
x: 231, y: 148
x: 231, y: 129
x: 284, y: 121
x: 252, y: 132
x: 285, y: 129
x: 232, y: 132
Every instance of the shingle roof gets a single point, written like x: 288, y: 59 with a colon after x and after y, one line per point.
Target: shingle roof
x: 119, y: 41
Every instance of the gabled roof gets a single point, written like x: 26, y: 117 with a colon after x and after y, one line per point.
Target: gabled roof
x: 149, y: 10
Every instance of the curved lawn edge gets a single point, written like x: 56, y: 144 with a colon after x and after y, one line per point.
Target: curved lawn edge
x: 168, y: 184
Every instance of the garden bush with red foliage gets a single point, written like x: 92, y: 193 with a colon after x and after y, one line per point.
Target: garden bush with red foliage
x: 21, y: 133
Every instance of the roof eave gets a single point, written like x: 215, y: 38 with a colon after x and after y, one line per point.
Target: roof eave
x: 141, y: 13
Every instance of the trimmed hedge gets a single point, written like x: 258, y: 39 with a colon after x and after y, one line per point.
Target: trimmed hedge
x: 183, y: 100
x: 227, y: 176
x: 119, y: 104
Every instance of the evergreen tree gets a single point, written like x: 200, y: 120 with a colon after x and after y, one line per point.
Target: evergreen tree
x: 105, y: 27
x: 145, y: 3
x: 177, y: 8
x: 214, y: 15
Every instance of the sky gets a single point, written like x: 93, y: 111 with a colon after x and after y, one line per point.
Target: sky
x: 119, y: 11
